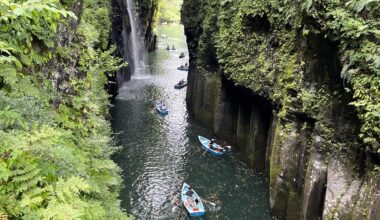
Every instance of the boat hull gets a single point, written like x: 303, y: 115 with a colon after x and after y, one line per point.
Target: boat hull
x: 204, y: 141
x: 200, y: 211
x: 160, y: 110
x: 177, y: 86
x: 183, y: 68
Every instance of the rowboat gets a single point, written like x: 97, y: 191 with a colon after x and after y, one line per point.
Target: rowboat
x: 161, y: 108
x: 214, y: 150
x: 182, y: 55
x: 183, y: 68
x: 194, y: 209
x: 180, y: 85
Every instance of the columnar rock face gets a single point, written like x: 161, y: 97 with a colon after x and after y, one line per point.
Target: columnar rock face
x: 267, y: 78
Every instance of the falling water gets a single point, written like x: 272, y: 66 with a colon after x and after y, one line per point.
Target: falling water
x: 136, y: 42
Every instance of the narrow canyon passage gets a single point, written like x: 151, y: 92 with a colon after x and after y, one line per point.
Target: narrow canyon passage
x: 159, y: 153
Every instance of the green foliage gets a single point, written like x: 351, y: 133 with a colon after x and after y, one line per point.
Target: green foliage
x: 26, y: 35
x: 55, y: 146
x: 96, y: 24
x: 169, y: 10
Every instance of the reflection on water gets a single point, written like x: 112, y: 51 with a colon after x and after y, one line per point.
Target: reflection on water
x: 160, y: 153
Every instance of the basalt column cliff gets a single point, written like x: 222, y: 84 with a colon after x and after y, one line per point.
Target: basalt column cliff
x: 295, y: 87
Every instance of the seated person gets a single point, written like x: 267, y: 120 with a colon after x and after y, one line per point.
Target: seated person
x: 211, y: 144
x: 195, y: 205
x: 190, y: 203
x: 219, y: 148
x: 190, y: 192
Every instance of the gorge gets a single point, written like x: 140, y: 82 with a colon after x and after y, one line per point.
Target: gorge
x: 274, y: 84
x: 292, y: 86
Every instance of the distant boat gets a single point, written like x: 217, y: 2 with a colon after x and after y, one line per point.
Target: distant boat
x: 183, y: 68
x: 168, y: 47
x: 173, y: 47
x: 161, y: 108
x: 189, y: 202
x: 180, y: 85
x: 182, y: 55
x: 204, y: 141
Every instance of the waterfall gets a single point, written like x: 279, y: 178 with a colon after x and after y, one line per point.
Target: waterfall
x: 136, y: 61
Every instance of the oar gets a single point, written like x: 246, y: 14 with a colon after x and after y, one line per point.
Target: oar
x: 211, y: 203
x: 205, y: 152
x: 176, y: 203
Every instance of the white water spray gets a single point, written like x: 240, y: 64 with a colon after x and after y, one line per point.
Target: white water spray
x: 136, y: 43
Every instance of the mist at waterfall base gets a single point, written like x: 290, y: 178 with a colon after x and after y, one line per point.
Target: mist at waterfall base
x: 158, y: 154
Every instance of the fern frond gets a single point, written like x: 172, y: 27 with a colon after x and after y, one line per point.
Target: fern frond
x: 26, y: 176
x: 67, y: 191
x: 28, y: 185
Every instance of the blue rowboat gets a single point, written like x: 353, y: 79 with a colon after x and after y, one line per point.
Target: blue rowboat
x: 194, y: 209
x: 214, y: 151
x: 183, y: 68
x: 180, y: 86
x: 161, y: 108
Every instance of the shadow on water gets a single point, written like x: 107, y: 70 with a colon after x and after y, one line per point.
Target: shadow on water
x: 160, y: 153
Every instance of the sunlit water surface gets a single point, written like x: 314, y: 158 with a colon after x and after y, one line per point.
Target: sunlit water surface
x: 160, y: 153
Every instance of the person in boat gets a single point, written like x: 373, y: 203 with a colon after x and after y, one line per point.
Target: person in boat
x: 211, y: 144
x: 190, y: 192
x: 193, y: 203
x: 220, y: 148
x: 186, y: 65
x: 181, y: 82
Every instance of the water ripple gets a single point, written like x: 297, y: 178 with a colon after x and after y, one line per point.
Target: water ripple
x: 160, y: 153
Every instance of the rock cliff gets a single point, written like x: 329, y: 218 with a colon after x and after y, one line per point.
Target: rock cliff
x: 281, y: 81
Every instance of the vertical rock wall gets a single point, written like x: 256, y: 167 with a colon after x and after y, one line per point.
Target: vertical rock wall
x: 283, y: 105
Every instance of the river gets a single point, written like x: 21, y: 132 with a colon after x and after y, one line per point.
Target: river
x: 159, y: 153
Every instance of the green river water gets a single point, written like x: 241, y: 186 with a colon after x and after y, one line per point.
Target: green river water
x: 159, y: 153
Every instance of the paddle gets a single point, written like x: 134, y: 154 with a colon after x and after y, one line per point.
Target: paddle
x: 211, y: 203
x: 205, y: 152
x: 175, y: 203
